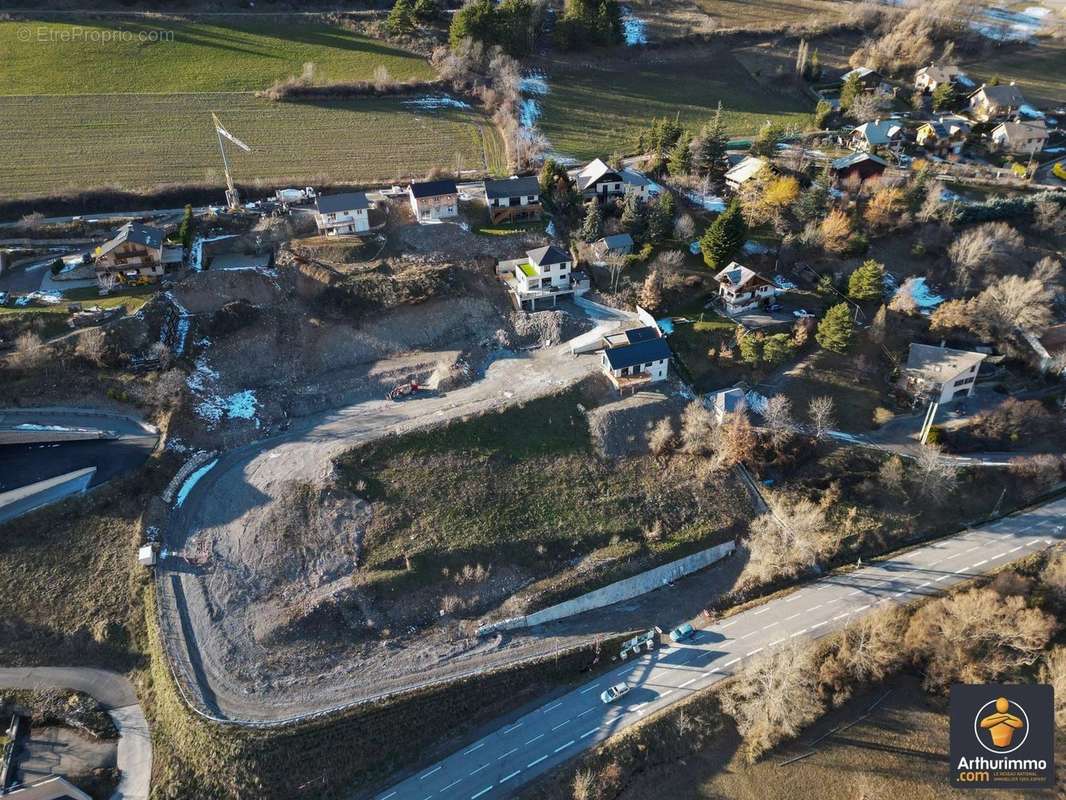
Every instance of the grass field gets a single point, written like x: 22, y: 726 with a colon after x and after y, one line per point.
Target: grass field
x: 136, y: 141
x: 1039, y: 70
x: 141, y: 54
x: 594, y: 111
x: 668, y: 19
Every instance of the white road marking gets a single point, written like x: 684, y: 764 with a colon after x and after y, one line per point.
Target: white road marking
x: 450, y: 785
x: 792, y: 617
x: 561, y: 724
x: 727, y: 624
x: 437, y: 768
x: 504, y: 780
x: 664, y: 694
x: 386, y: 797
x: 839, y: 616
x: 820, y: 624
x: 472, y: 749
x: 476, y: 796
x: 564, y: 746
x: 476, y: 771
x: 1016, y: 549
x: 762, y: 610
x: 942, y: 578
x: 861, y: 608
x: 767, y: 627
x: 514, y: 727
x: 746, y: 635
x: 979, y: 564
x: 734, y: 661
x: 589, y: 733
x: 553, y: 706
x: 587, y: 711
x: 797, y: 633
x: 815, y: 608
x: 534, y: 763
x: 794, y: 597
x: 756, y: 650
x: 775, y: 643
x: 515, y: 750
x: 857, y: 591
x: 686, y: 683
x: 589, y: 688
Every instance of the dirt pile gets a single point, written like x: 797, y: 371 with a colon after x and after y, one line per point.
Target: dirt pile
x: 206, y: 292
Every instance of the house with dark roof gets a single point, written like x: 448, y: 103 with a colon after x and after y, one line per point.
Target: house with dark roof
x: 596, y: 179
x: 740, y: 288
x: 944, y: 134
x: 434, y: 200
x: 341, y: 214
x: 618, y: 244
x: 864, y: 165
x: 879, y: 133
x: 928, y: 79
x: 133, y: 254
x: 996, y: 102
x: 940, y: 374
x: 635, y: 358
x: 514, y: 199
x: 541, y: 278
x: 870, y: 79
x: 1021, y: 137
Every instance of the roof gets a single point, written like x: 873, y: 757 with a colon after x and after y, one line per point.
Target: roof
x: 738, y: 276
x: 880, y: 131
x: 433, y: 188
x: 643, y: 334
x: 938, y: 364
x: 862, y: 72
x: 617, y: 241
x: 726, y: 401
x: 939, y: 128
x: 1002, y: 95
x: 527, y: 270
x: 857, y: 158
x: 642, y: 352
x: 1022, y: 130
x: 592, y: 173
x: 748, y: 168
x: 136, y: 233
x: 547, y: 255
x: 348, y: 201
x: 941, y: 73
x: 633, y: 178
x: 512, y: 187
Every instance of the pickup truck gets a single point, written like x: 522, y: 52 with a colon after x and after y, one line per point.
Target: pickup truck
x: 616, y: 691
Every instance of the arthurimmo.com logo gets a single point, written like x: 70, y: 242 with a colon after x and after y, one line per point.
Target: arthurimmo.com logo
x: 1002, y: 736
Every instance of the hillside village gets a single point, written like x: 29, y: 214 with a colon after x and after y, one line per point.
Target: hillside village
x: 332, y: 484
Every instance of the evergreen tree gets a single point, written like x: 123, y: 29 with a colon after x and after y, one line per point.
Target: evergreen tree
x: 187, y: 229
x: 592, y: 227
x: 724, y: 237
x: 867, y: 282
x: 477, y: 20
x: 812, y: 204
x: 708, y: 157
x: 765, y: 144
x: 834, y: 331
x: 634, y: 216
x: 661, y: 217
x: 943, y: 97
x: 822, y: 110
x: 680, y: 158
x: 851, y: 89
x: 825, y: 285
x: 402, y: 17
x: 814, y: 67
x: 777, y: 348
x: 427, y: 10
x: 750, y: 346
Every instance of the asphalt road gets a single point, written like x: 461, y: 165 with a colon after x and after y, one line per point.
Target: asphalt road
x: 115, y: 693
x: 520, y: 749
x: 23, y: 464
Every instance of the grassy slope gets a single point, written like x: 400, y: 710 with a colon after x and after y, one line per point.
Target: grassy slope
x: 55, y: 143
x: 239, y: 55
x: 591, y: 112
x: 1040, y: 70
x: 523, y: 488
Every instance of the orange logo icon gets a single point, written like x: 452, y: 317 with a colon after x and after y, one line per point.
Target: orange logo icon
x: 1002, y: 725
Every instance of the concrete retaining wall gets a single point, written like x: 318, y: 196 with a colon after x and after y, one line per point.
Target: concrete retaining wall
x: 616, y: 592
x: 186, y: 470
x: 25, y: 499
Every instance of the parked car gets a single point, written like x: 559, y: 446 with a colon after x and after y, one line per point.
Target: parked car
x: 801, y: 313
x: 3, y: 298
x: 682, y: 632
x: 616, y: 691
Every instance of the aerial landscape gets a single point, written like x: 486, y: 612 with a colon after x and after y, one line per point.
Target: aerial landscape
x: 538, y: 399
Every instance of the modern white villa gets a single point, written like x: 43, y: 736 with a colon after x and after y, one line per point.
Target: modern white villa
x: 541, y: 278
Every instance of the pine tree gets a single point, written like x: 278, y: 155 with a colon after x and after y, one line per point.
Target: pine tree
x: 427, y: 10
x: 708, y: 155
x: 724, y: 237
x: 834, y: 331
x: 867, y: 282
x: 592, y: 227
x: 185, y: 232
x: 765, y: 144
x: 661, y: 217
x: 943, y: 97
x: 822, y: 110
x: 750, y: 345
x: 680, y: 158
x: 851, y: 89
x: 634, y: 216
x: 814, y: 67
x: 477, y: 20
x: 777, y: 348
x: 402, y: 17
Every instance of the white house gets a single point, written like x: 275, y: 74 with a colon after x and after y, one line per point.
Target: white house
x: 744, y: 171
x: 596, y: 179
x: 940, y: 374
x: 339, y: 214
x: 635, y: 358
x: 996, y: 102
x: 433, y: 200
x: 879, y: 133
x: 544, y: 275
x: 740, y: 288
x: 1024, y: 137
x: 513, y: 199
x: 927, y: 79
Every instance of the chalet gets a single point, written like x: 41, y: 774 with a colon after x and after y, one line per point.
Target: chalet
x: 996, y: 102
x: 879, y: 133
x: 134, y: 254
x: 635, y: 358
x: 946, y: 134
x: 541, y: 278
x: 433, y: 200
x: 596, y: 179
x: 928, y: 79
x: 744, y: 171
x: 1022, y: 137
x: 619, y: 244
x: 940, y: 374
x: 514, y: 199
x: 871, y: 79
x: 340, y: 214
x: 863, y: 165
x: 740, y: 288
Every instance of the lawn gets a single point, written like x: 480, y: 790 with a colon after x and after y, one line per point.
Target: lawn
x: 594, y: 110
x: 521, y: 492
x: 854, y: 383
x: 58, y: 143
x: 1039, y: 70
x: 139, y: 54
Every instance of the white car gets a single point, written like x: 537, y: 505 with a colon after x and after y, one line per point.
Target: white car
x: 616, y: 691
x: 801, y: 313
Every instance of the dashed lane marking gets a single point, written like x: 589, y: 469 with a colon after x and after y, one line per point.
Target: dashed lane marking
x: 839, y: 616
x: 1016, y: 549
x: 797, y: 633
x: 861, y: 608
x: 450, y: 785
x: 589, y: 688
x: 515, y: 750
x: 664, y: 694
x: 686, y: 683
x: 979, y: 564
x: 561, y: 724
x: 819, y: 624
x: 589, y: 733
x: 553, y: 706
x: 476, y: 771
x: 564, y: 746
x: 760, y: 611
x: 728, y: 663
x: 435, y: 769
x: 756, y: 650
x: 727, y: 624
x: 504, y: 780
x: 534, y: 763
x: 386, y: 797
x: 792, y: 617
x: 474, y: 748
x: 775, y: 643
x: 796, y: 596
x: 514, y: 727
x: 586, y: 711
x: 476, y: 796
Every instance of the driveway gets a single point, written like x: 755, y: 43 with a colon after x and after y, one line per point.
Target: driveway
x: 115, y: 693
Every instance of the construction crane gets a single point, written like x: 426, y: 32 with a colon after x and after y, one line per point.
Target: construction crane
x: 233, y: 202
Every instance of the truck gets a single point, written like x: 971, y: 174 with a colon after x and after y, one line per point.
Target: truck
x: 292, y: 196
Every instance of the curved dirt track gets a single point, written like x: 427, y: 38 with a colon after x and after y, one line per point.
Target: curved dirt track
x: 225, y: 671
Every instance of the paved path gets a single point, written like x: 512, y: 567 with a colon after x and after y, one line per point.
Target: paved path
x: 115, y: 693
x: 497, y: 765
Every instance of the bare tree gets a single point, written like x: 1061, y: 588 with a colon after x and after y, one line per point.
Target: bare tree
x: 785, y: 543
x: 892, y: 474
x: 684, y: 228
x: 615, y: 263
x: 823, y: 419
x: 168, y: 392
x: 1048, y: 271
x: 985, y: 247
x: 1053, y: 671
x: 866, y: 651
x: 867, y: 107
x: 697, y: 429
x: 903, y: 301
x: 584, y: 783
x: 92, y: 346
x: 936, y: 475
x: 106, y: 281
x: 1014, y: 302
x: 1049, y: 216
x: 651, y: 292
x: 661, y: 437
x: 773, y: 698
x: 778, y: 417
x: 30, y: 352
x: 736, y: 441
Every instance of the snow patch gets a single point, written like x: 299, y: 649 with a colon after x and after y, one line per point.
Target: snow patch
x: 756, y: 402
x: 753, y: 248
x: 708, y: 202
x: 432, y: 102
x: 634, y: 29
x: 924, y: 297
x: 784, y: 282
x: 196, y: 252
x: 192, y: 480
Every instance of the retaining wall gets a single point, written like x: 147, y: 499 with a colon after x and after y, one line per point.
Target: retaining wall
x: 26, y: 498
x: 616, y: 592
